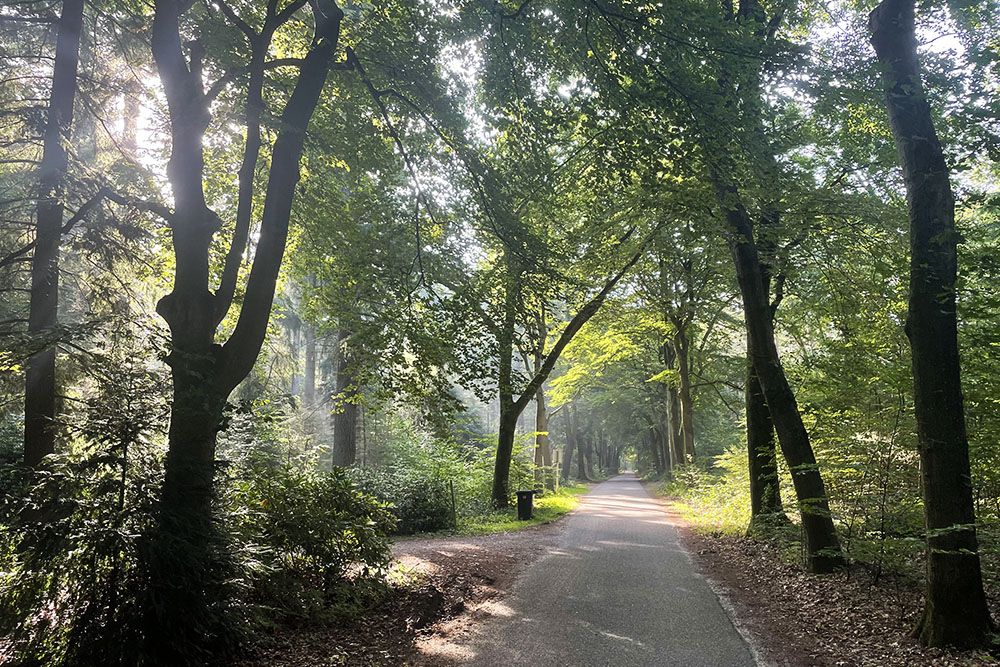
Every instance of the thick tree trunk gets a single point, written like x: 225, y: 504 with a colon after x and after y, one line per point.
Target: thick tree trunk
x: 956, y: 612
x: 686, y: 416
x: 505, y: 384
x: 186, y: 550
x: 765, y: 483
x: 345, y: 411
x: 505, y: 453
x: 822, y: 545
x: 40, y: 373
x: 765, y: 489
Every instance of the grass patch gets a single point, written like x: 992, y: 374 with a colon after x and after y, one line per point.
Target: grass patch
x: 549, y: 507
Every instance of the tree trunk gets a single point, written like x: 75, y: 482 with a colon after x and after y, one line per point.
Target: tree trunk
x: 543, y: 449
x: 40, y: 373
x: 345, y: 415
x: 567, y: 464
x: 765, y: 489
x: 674, y: 435
x: 505, y: 453
x: 663, y: 444
x: 187, y: 547
x: 686, y: 416
x: 579, y: 443
x: 585, y: 438
x: 651, y: 438
x: 309, y: 371
x: 956, y: 612
x: 823, y: 551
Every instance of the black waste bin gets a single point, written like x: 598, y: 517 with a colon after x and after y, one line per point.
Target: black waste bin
x: 524, y: 504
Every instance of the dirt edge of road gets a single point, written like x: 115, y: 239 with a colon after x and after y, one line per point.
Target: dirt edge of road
x: 446, y: 587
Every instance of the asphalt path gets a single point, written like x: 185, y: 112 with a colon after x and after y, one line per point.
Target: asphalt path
x: 618, y: 590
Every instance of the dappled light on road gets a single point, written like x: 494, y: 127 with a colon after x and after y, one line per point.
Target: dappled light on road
x: 618, y: 590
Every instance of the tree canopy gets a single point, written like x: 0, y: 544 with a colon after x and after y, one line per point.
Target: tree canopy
x: 279, y: 278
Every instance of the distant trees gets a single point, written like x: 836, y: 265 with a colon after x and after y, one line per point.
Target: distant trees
x: 345, y: 407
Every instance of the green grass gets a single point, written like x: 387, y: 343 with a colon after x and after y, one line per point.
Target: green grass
x: 548, y: 508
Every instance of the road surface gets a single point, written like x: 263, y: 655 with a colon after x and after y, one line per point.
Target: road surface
x: 618, y: 590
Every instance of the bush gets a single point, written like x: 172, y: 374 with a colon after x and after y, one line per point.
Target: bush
x: 72, y: 586
x: 420, y: 501
x: 321, y: 541
x: 294, y: 547
x: 716, y: 498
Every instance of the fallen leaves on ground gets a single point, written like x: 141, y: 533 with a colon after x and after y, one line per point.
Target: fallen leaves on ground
x: 446, y: 589
x: 848, y: 619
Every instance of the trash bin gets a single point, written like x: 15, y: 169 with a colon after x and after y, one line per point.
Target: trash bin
x: 524, y: 504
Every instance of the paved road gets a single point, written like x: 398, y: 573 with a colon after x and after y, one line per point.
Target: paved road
x: 619, y: 590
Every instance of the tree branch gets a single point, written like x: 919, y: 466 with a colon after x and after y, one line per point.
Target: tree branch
x: 240, y: 352
x: 582, y: 317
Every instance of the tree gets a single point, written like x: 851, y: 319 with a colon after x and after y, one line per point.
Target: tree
x: 345, y: 409
x: 742, y: 83
x: 955, y: 611
x: 40, y: 375
x: 204, y: 372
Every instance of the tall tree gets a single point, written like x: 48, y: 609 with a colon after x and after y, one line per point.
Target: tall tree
x: 955, y: 612
x: 739, y: 84
x: 204, y: 373
x: 40, y: 374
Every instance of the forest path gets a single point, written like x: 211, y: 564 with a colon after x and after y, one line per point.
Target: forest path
x: 618, y: 589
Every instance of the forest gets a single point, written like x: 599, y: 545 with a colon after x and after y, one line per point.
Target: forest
x: 293, y: 292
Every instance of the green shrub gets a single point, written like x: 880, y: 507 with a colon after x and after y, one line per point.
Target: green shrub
x: 420, y: 501
x: 293, y: 547
x: 71, y: 590
x: 715, y: 499
x: 321, y: 540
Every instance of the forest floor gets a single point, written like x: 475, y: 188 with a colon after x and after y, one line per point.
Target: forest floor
x: 443, y: 587
x: 794, y: 619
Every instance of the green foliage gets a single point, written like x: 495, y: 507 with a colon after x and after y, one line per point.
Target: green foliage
x: 420, y: 501
x: 299, y: 547
x: 717, y: 498
x: 416, y: 473
x: 448, y: 224
x: 73, y: 578
x: 320, y: 540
